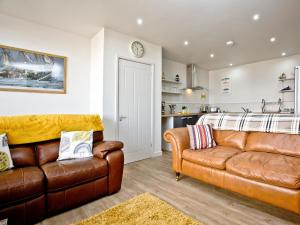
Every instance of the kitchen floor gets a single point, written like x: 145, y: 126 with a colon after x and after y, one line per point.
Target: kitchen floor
x: 208, y: 204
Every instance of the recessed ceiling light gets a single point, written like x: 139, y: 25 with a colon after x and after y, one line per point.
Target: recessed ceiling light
x: 212, y: 55
x: 283, y: 54
x: 230, y: 64
x: 139, y: 21
x: 186, y: 43
x: 256, y: 17
x: 229, y: 43
x: 272, y: 39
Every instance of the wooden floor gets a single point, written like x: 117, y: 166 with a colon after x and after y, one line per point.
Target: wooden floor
x: 208, y: 204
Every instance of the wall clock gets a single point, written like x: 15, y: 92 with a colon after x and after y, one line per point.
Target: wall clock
x: 137, y: 49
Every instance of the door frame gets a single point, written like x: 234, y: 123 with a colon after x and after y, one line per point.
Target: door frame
x: 152, y: 65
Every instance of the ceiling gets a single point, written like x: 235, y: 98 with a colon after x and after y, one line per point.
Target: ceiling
x: 206, y: 24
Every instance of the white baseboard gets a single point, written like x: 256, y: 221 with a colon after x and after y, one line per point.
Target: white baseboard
x: 156, y: 154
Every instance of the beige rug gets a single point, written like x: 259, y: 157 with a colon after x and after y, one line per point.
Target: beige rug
x: 144, y: 209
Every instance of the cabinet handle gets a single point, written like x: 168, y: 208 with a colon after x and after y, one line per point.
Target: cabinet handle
x: 122, y: 118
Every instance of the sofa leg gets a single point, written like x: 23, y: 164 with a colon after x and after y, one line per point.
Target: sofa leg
x: 177, y: 176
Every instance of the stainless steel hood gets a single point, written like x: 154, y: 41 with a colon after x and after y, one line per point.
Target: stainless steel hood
x: 193, y: 78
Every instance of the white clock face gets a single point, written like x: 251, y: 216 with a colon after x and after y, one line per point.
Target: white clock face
x: 137, y: 49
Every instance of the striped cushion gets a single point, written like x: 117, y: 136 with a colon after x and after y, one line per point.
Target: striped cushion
x: 201, y: 136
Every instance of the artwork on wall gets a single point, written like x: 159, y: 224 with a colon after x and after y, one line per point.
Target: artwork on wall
x: 31, y: 71
x: 225, y: 86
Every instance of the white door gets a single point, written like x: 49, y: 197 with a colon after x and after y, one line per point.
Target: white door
x: 135, y: 109
x: 297, y: 91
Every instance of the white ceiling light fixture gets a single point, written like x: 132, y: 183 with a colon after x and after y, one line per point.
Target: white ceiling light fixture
x: 272, y: 39
x: 283, y: 54
x: 212, y: 55
x: 230, y: 64
x: 230, y: 43
x: 186, y: 43
x: 256, y: 17
x: 139, y: 21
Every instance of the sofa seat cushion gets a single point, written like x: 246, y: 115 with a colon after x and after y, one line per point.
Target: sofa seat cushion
x: 20, y: 184
x: 64, y: 174
x: 213, y: 157
x: 270, y: 168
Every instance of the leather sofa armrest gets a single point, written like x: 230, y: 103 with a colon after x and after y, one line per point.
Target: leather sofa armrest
x: 115, y: 161
x: 101, y: 149
x: 180, y: 140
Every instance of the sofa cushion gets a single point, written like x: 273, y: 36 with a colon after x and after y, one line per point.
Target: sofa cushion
x: 20, y: 184
x: 213, y: 157
x: 5, y: 156
x: 47, y: 151
x: 68, y: 173
x: 75, y: 145
x: 201, y: 136
x: 270, y: 168
x: 23, y: 155
x: 288, y: 144
x: 229, y: 138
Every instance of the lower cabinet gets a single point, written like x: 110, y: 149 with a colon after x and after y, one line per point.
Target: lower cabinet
x: 182, y: 121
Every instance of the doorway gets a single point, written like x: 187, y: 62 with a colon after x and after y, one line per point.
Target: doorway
x: 135, y: 109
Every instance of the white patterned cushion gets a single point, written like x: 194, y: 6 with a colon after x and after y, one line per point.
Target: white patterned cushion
x: 201, y: 136
x: 76, y: 145
x: 5, y: 157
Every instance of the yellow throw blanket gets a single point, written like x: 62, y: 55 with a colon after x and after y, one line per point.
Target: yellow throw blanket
x: 36, y: 128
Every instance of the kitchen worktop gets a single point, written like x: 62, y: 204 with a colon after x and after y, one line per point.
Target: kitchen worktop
x: 180, y: 114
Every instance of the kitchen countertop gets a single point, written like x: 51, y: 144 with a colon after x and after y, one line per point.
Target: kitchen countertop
x: 179, y: 114
x: 200, y: 114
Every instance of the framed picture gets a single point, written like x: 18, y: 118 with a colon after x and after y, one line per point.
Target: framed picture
x: 31, y: 71
x: 226, y: 85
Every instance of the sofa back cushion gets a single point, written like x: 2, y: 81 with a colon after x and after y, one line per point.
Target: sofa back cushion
x: 235, y: 139
x: 47, y: 151
x: 288, y: 144
x: 97, y: 136
x: 23, y: 155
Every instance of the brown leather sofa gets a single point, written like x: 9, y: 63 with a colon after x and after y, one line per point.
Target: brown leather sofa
x: 263, y: 166
x: 39, y: 186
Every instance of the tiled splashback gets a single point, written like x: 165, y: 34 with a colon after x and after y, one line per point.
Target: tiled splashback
x: 254, y: 107
x: 191, y: 107
x: 228, y: 107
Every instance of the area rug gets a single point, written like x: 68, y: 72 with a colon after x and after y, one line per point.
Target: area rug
x: 144, y: 209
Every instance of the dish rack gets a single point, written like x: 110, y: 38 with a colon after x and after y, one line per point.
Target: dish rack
x: 265, y: 103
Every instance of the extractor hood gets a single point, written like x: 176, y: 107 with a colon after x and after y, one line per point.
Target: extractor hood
x: 193, y: 78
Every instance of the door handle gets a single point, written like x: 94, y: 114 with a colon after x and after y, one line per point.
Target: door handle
x: 122, y: 118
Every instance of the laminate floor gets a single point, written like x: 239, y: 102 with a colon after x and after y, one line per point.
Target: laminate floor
x: 208, y: 204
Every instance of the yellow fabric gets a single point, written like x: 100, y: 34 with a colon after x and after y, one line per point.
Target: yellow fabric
x: 144, y: 209
x: 35, y: 128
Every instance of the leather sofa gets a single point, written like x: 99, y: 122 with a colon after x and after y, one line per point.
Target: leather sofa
x: 263, y: 166
x: 39, y: 186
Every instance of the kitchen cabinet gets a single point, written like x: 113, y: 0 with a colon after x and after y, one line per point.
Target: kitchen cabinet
x: 182, y: 121
x: 175, y: 120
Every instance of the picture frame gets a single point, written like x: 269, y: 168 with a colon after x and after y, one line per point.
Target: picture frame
x: 23, y: 70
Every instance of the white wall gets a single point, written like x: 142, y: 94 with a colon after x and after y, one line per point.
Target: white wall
x: 191, y: 100
x: 117, y: 45
x: 253, y: 82
x: 96, y: 80
x: 19, y: 33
